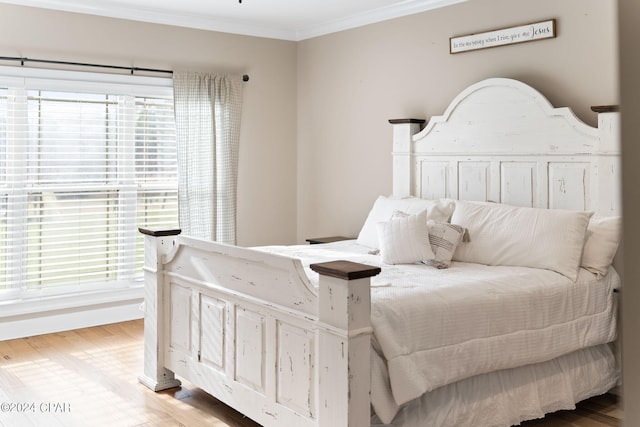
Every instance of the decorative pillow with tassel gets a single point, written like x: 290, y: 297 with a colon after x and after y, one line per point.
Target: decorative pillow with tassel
x: 444, y: 238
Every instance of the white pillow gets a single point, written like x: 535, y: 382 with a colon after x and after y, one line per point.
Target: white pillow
x: 499, y: 234
x: 383, y: 208
x: 405, y: 239
x: 601, y: 244
x: 444, y: 239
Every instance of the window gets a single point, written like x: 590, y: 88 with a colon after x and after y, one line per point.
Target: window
x: 85, y: 160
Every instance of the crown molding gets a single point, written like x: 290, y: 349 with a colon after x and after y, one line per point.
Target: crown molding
x: 398, y: 10
x: 205, y: 22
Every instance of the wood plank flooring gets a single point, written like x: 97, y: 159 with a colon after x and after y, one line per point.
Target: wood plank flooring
x: 88, y: 377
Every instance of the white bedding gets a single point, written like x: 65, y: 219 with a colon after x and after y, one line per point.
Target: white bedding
x: 507, y: 397
x: 437, y: 327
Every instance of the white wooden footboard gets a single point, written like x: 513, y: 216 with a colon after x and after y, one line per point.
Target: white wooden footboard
x: 249, y: 328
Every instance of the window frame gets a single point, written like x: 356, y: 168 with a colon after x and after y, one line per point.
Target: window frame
x: 22, y: 79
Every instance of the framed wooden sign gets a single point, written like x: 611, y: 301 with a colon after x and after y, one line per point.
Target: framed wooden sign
x: 505, y: 36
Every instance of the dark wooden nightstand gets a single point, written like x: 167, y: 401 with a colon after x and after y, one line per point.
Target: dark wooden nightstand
x: 327, y: 239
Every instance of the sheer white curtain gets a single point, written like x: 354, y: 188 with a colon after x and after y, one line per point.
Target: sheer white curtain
x: 207, y: 109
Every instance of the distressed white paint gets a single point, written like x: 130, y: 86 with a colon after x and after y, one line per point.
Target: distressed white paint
x: 250, y: 349
x: 433, y: 180
x: 344, y: 352
x: 402, y: 159
x: 247, y: 327
x: 474, y: 180
x: 518, y: 183
x: 155, y: 376
x: 569, y: 185
x: 212, y: 332
x: 295, y: 368
x: 501, y: 140
x: 180, y: 318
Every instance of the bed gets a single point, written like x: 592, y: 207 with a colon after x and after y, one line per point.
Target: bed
x: 481, y: 292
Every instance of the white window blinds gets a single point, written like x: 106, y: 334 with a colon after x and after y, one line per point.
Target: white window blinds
x: 85, y: 160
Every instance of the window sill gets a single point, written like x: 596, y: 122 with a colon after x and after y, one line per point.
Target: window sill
x: 22, y: 318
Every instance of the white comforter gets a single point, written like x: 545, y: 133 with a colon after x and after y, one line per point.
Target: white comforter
x: 435, y: 327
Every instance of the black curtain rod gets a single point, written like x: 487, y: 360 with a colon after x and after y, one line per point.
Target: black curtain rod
x: 245, y: 77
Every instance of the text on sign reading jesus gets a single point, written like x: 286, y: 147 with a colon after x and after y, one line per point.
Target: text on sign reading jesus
x: 523, y: 33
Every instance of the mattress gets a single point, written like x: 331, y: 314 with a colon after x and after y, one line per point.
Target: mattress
x: 437, y: 327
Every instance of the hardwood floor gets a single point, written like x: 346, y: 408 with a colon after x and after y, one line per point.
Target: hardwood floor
x: 599, y: 411
x: 88, y: 377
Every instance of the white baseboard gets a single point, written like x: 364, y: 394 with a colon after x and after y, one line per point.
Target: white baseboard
x: 29, y: 318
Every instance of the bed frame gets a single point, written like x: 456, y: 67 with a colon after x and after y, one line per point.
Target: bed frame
x: 503, y: 141
x: 248, y: 327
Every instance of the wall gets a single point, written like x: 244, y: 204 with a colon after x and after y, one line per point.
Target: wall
x: 350, y: 83
x: 267, y: 171
x: 315, y: 142
x: 630, y: 109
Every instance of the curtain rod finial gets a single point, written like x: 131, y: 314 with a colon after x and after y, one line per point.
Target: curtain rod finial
x: 245, y: 78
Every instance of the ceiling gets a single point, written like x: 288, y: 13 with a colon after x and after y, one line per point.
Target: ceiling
x: 280, y: 19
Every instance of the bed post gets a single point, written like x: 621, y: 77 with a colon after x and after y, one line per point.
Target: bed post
x: 609, y: 202
x: 344, y: 343
x: 157, y: 243
x: 403, y: 131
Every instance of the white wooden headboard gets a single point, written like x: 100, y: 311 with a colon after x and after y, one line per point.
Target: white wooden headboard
x: 503, y: 141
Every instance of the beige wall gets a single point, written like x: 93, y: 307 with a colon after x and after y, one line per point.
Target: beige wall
x: 350, y: 83
x: 630, y: 104
x: 315, y: 142
x: 267, y: 175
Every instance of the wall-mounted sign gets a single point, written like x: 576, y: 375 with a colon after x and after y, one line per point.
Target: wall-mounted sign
x: 505, y: 36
